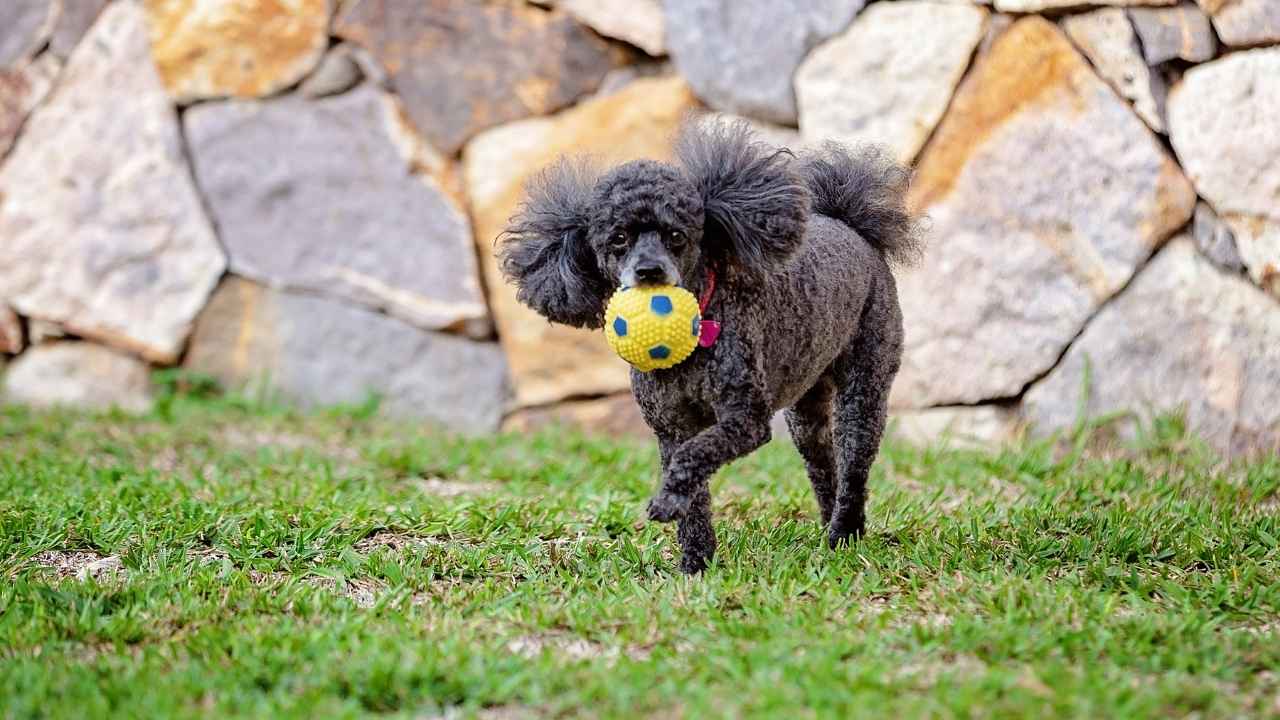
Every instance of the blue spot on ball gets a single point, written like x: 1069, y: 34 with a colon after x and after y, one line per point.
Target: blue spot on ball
x: 659, y: 352
x: 620, y: 327
x: 697, y: 325
x: 660, y: 304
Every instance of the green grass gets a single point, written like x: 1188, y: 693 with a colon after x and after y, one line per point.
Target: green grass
x: 274, y: 563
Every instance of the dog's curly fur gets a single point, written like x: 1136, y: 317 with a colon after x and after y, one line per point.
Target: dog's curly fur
x: 802, y: 248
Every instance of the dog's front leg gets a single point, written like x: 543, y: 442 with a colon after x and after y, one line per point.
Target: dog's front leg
x: 698, y: 459
x: 742, y: 425
x: 696, y: 534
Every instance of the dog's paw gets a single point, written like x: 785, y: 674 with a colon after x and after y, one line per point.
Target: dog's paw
x: 668, y: 506
x: 693, y: 564
x: 838, y: 537
x: 846, y: 526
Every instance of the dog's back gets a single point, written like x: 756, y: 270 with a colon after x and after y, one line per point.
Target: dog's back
x: 838, y: 282
x: 812, y: 307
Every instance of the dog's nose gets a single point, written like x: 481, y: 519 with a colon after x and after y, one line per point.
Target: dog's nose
x: 650, y: 274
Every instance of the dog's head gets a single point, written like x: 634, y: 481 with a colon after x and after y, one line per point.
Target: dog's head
x: 646, y: 225
x: 731, y: 202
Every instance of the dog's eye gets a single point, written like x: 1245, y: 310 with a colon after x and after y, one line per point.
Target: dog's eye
x: 676, y: 238
x: 618, y: 240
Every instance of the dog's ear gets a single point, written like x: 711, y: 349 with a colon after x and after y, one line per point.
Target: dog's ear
x: 545, y: 251
x: 756, y: 204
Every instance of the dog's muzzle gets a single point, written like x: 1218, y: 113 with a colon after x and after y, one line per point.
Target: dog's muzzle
x: 649, y: 263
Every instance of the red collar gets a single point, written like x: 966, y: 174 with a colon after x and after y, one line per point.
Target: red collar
x: 709, y: 329
x: 707, y: 290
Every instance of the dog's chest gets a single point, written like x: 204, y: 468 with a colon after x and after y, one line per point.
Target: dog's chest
x: 678, y: 400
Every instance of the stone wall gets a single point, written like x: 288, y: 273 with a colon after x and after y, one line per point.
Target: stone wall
x: 302, y: 195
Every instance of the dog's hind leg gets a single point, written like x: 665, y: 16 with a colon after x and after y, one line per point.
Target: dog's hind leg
x: 864, y: 373
x: 810, y: 423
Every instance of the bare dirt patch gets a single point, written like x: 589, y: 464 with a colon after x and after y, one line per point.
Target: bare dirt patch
x: 452, y: 488
x: 926, y: 672
x: 1264, y: 628
x: 497, y: 712
x: 79, y: 564
x: 571, y: 647
x: 397, y: 541
x: 364, y: 592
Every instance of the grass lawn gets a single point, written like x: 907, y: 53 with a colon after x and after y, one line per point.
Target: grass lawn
x: 217, y: 558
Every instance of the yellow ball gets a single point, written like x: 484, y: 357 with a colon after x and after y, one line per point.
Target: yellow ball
x: 652, y: 327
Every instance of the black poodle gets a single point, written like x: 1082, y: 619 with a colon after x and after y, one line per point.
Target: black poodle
x: 790, y: 255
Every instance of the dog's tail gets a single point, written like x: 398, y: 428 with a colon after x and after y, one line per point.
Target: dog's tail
x: 867, y: 191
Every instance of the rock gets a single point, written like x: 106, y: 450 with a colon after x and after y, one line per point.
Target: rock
x: 977, y: 426
x: 1019, y: 262
x: 867, y: 86
x: 552, y: 362
x: 344, y: 66
x: 74, y: 21
x: 613, y: 416
x: 1222, y: 123
x: 424, y: 159
x: 997, y: 24
x: 460, y: 67
x: 1222, y: 126
x: 79, y: 375
x: 317, y: 196
x: 316, y: 351
x: 740, y: 55
x: 1215, y: 240
x: 619, y: 78
x: 639, y: 22
x: 103, y: 229
x: 776, y: 135
x: 1244, y: 23
x: 21, y: 90
x: 1258, y: 239
x: 43, y: 331
x: 24, y: 26
x: 1172, y: 33
x: 1183, y: 336
x: 1031, y: 6
x: 11, y: 339
x: 1107, y: 38
x: 337, y: 73
x: 250, y: 48
x: 372, y: 70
